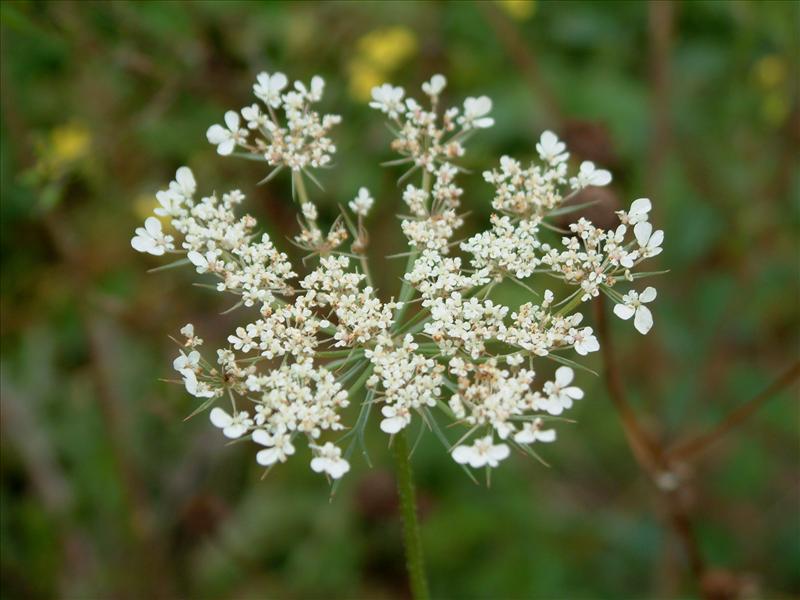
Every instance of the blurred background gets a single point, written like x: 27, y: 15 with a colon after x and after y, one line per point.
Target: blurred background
x: 108, y: 493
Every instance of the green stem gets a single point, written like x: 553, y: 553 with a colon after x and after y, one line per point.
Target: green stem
x: 408, y: 507
x: 407, y: 290
x: 300, y: 186
x: 571, y: 304
x: 365, y: 268
x: 338, y: 353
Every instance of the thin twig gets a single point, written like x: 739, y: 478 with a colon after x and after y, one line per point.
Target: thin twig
x: 692, y: 447
x: 517, y: 49
x: 661, y: 19
x: 646, y: 449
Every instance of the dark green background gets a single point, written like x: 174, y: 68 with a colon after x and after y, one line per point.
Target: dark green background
x: 107, y: 493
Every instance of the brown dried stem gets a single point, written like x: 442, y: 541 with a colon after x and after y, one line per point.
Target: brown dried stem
x: 689, y: 449
x: 646, y: 449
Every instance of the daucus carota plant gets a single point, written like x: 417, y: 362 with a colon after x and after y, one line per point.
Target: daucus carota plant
x: 316, y: 342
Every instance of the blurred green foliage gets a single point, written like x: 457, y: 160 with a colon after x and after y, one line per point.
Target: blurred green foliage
x: 107, y: 493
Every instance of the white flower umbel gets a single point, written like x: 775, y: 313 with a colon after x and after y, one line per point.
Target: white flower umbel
x: 532, y: 432
x: 151, y: 239
x: 475, y: 111
x: 551, y: 149
x: 228, y: 137
x: 233, y: 426
x: 482, y: 453
x: 649, y: 241
x: 589, y: 175
x: 329, y: 460
x: 633, y: 305
x: 361, y: 204
x: 444, y: 352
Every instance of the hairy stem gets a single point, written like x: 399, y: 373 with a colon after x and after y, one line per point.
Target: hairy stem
x: 408, y: 507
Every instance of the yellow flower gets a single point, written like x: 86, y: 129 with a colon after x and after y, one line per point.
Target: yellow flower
x: 363, y: 77
x: 770, y: 71
x: 518, y: 9
x: 378, y: 53
x: 58, y: 152
x: 68, y: 143
x: 387, y: 48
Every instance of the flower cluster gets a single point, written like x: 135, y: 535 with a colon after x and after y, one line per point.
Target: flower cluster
x: 298, y: 142
x: 317, y: 342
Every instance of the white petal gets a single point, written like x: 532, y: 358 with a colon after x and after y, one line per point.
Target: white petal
x: 278, y: 81
x: 623, y: 311
x: 142, y: 244
x: 526, y: 436
x: 190, y: 382
x: 180, y: 362
x: 262, y: 437
x: 643, y: 320
x: 641, y: 205
x: 392, y: 425
x: 337, y: 468
x: 317, y: 85
x: 600, y: 177
x: 378, y: 93
x: 267, y: 457
x: 499, y: 452
x: 217, y: 134
x: 552, y: 407
x: 656, y: 239
x: 565, y: 401
x: 564, y: 376
x: 219, y: 418
x: 573, y: 392
x: 463, y: 454
x: 153, y: 226
x: 234, y: 431
x: 232, y: 120
x: 319, y: 464
x: 648, y: 295
x: 226, y: 147
x: 477, y: 460
x: 197, y: 259
x: 548, y: 140
x: 185, y: 179
x: 250, y: 113
x: 642, y: 232
x: 546, y: 436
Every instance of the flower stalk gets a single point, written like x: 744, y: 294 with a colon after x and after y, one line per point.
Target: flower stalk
x: 408, y: 508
